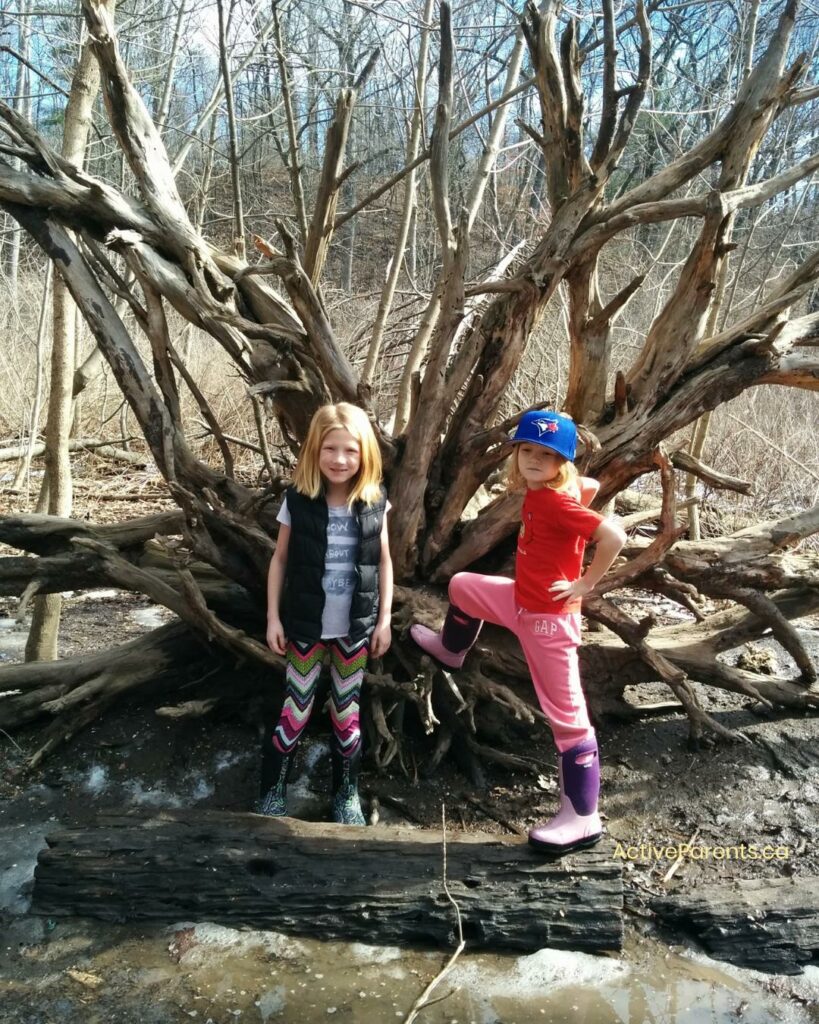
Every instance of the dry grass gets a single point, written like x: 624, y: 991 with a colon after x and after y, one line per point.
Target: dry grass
x: 766, y: 435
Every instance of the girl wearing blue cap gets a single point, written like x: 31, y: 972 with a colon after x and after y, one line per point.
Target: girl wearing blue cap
x: 542, y: 607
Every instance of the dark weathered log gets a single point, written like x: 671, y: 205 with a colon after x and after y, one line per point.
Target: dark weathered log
x: 67, y: 562
x: 51, y: 535
x: 767, y: 924
x: 379, y: 884
x: 54, y: 687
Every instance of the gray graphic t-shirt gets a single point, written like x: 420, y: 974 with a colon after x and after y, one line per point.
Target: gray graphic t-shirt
x: 339, y: 568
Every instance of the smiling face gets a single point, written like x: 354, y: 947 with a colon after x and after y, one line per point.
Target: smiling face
x: 339, y: 457
x: 536, y: 464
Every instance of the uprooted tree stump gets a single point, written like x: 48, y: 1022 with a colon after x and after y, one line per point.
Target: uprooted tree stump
x: 443, y: 445
x: 772, y: 584
x: 380, y: 885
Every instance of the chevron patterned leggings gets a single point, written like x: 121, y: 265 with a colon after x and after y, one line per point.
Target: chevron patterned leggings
x: 348, y: 660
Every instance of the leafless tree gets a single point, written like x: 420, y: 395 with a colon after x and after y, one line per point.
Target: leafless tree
x: 610, y: 174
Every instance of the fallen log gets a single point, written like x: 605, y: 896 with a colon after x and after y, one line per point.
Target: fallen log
x: 378, y: 885
x: 767, y: 924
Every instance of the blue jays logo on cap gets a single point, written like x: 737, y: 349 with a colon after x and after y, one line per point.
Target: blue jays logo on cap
x: 545, y: 426
x: 550, y: 429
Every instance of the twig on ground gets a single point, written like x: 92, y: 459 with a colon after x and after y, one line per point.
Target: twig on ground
x: 424, y: 1000
x: 494, y: 816
x: 670, y: 873
x: 11, y: 739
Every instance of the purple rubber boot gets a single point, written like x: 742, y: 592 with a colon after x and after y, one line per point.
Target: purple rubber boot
x: 458, y: 633
x: 577, y: 823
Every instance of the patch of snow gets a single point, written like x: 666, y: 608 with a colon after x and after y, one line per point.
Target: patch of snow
x: 547, y: 969
x: 19, y: 846
x: 211, y: 941
x: 154, y: 797
x: 98, y: 595
x: 202, y: 789
x: 374, y: 954
x: 96, y: 780
x: 151, y: 617
x: 314, y: 753
x: 228, y: 758
x: 13, y: 636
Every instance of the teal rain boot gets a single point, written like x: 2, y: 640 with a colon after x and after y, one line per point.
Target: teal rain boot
x: 346, y: 802
x: 276, y: 768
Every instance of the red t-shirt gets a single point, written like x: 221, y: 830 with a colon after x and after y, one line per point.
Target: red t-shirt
x: 553, y: 534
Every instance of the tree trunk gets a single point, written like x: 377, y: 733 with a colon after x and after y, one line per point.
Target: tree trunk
x: 45, y: 622
x: 453, y: 419
x: 377, y: 884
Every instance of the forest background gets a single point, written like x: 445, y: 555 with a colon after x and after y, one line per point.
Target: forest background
x: 471, y: 288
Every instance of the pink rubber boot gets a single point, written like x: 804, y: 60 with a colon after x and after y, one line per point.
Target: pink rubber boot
x: 458, y: 633
x: 577, y: 823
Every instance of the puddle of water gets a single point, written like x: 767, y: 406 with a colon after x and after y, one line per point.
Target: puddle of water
x: 210, y: 972
x: 206, y: 971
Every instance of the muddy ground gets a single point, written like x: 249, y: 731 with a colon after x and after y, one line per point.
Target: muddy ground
x: 656, y: 792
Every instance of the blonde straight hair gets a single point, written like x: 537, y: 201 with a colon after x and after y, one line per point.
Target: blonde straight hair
x: 566, y: 479
x: 366, y: 485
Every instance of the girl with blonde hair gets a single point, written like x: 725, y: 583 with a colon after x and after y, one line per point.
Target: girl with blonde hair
x: 329, y: 589
x: 541, y: 606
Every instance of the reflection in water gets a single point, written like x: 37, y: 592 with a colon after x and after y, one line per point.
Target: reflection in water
x: 224, y: 975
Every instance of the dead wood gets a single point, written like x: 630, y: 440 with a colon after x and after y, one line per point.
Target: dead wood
x: 144, y: 249
x: 74, y: 691
x: 767, y: 925
x: 379, y: 884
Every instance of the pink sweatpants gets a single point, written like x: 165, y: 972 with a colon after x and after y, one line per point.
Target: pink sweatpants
x: 549, y: 643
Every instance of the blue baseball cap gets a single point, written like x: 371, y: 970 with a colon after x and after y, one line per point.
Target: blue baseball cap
x: 550, y: 429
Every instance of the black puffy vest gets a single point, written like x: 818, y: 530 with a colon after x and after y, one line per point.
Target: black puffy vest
x: 302, y: 602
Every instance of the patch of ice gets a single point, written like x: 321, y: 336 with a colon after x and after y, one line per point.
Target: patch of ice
x: 374, y: 954
x: 96, y: 780
x: 154, y: 797
x: 98, y: 595
x: 151, y: 617
x: 531, y: 975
